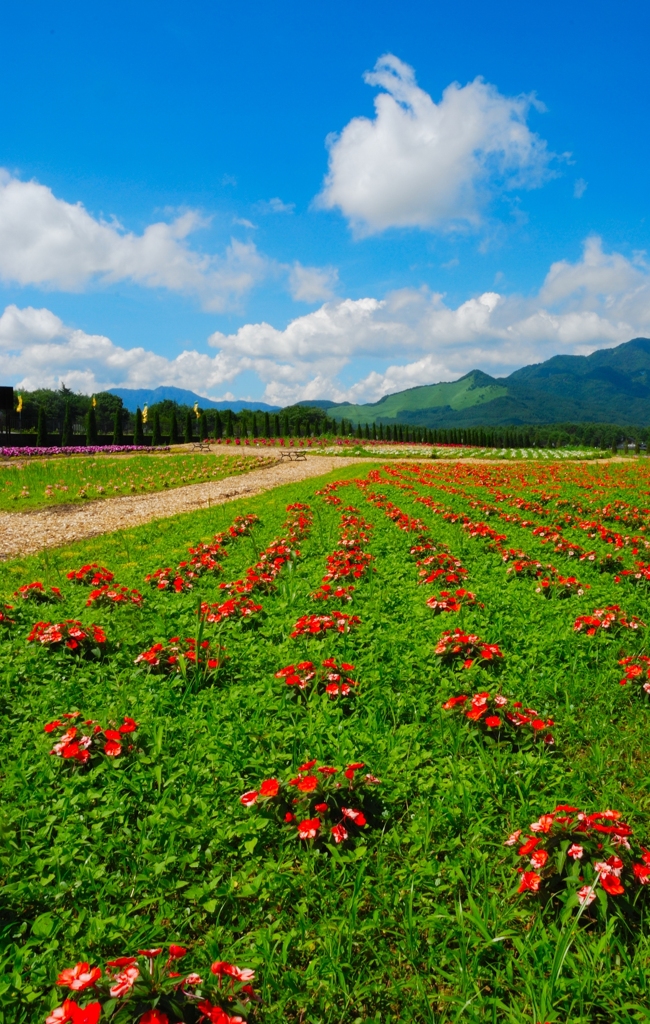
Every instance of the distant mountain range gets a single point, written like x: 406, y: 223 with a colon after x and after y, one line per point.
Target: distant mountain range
x: 139, y: 397
x: 611, y: 385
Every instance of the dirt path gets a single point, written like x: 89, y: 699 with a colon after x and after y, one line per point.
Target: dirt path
x: 22, y: 533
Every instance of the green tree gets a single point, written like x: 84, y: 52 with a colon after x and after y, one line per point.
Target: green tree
x: 91, y: 425
x: 267, y: 425
x: 174, y: 436
x: 66, y: 433
x: 138, y: 431
x: 189, y: 429
x: 230, y: 426
x: 41, y: 430
x: 218, y: 427
x: 155, y: 435
x: 278, y: 432
x: 287, y: 429
x: 118, y: 433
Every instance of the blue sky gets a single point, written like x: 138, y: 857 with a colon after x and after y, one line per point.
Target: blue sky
x: 286, y: 201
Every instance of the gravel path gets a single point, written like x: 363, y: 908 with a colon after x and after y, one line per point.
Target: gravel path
x: 22, y: 533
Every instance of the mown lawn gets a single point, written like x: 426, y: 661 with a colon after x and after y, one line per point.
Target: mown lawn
x: 419, y: 918
x: 36, y: 482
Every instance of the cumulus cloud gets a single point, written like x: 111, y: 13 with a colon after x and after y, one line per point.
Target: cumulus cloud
x: 48, y: 242
x: 431, y: 165
x: 410, y: 337
x: 312, y: 284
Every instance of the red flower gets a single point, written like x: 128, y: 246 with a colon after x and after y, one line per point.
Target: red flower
x: 321, y: 808
x: 356, y: 816
x: 112, y: 749
x: 641, y: 873
x: 249, y: 798
x: 611, y: 884
x: 154, y: 1017
x: 270, y: 788
x: 528, y: 846
x: 79, y: 977
x: 307, y: 784
x: 129, y: 725
x: 339, y: 833
x: 493, y: 721
x: 177, y: 952
x: 539, y: 858
x: 530, y: 882
x: 124, y: 981
x: 308, y: 829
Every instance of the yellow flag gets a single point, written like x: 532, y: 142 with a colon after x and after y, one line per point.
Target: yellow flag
x: 94, y: 402
x: 145, y: 413
x: 196, y: 410
x: 19, y: 407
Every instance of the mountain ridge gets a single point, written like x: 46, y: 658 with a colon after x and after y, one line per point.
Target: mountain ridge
x: 134, y: 397
x: 608, y: 386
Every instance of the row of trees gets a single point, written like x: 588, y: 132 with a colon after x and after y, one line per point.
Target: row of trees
x: 46, y: 412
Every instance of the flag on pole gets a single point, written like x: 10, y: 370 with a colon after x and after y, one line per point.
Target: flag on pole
x: 19, y: 407
x: 145, y: 414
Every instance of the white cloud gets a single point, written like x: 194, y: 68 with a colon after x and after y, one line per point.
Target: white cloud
x: 412, y: 336
x: 579, y: 188
x: 427, y: 165
x: 274, y: 205
x: 54, y: 244
x: 312, y: 284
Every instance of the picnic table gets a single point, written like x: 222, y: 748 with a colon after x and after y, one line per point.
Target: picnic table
x: 293, y: 454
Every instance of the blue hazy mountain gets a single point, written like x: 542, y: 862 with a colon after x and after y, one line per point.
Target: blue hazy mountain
x: 139, y: 397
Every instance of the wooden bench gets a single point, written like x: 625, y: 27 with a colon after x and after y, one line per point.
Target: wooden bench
x: 293, y: 454
x: 201, y: 446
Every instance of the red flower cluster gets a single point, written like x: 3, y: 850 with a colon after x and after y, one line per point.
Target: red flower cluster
x: 606, y: 563
x: 640, y: 575
x: 346, y: 565
x: 637, y: 670
x: 150, y: 979
x: 316, y: 802
x: 5, y: 618
x: 263, y: 574
x: 561, y: 586
x: 38, y: 593
x: 442, y: 566
x: 91, y: 575
x: 612, y: 619
x: 576, y: 851
x: 326, y: 591
x: 242, y: 607
x: 172, y: 656
x: 466, y: 647
x: 169, y: 579
x: 111, y: 596
x: 318, y: 625
x: 491, y: 714
x: 452, y: 602
x: 78, y: 742
x: 333, y: 678
x: 205, y: 558
x: 70, y: 634
x: 527, y: 567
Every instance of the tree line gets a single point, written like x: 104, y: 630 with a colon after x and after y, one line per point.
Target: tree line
x: 62, y: 412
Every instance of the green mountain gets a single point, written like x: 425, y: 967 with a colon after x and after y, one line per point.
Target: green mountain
x: 609, y: 386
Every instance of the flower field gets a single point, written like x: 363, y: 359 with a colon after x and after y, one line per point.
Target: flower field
x: 369, y: 748
x: 36, y: 483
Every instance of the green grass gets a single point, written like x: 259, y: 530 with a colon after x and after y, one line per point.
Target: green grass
x: 36, y: 482
x: 420, y: 921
